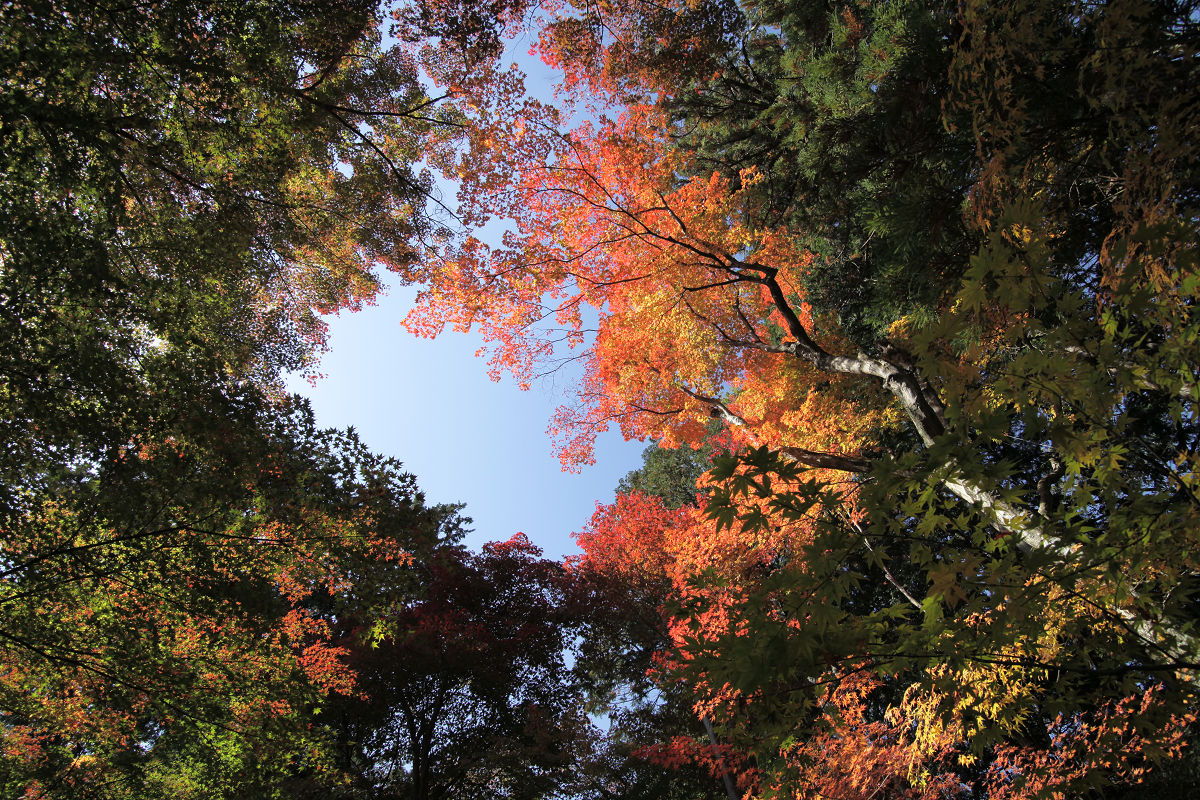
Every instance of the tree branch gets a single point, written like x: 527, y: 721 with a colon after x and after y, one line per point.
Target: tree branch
x: 810, y: 458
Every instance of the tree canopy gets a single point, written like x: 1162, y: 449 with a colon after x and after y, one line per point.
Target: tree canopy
x: 186, y: 187
x: 905, y: 289
x: 933, y: 266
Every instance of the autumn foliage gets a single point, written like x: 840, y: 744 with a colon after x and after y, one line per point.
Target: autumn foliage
x: 606, y: 228
x: 917, y: 279
x: 936, y: 307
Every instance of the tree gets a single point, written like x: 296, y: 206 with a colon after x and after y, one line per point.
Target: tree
x: 941, y: 261
x: 630, y: 566
x: 670, y: 474
x: 167, y: 616
x: 836, y: 107
x: 467, y: 692
x: 186, y: 187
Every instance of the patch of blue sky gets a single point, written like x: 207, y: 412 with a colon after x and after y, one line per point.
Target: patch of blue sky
x: 430, y: 404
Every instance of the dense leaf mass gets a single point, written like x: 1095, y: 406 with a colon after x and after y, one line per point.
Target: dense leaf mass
x: 468, y: 693
x: 185, y: 187
x: 933, y: 267
x: 166, y: 624
x: 906, y: 291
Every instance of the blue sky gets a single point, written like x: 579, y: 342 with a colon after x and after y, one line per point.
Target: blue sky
x: 468, y: 439
x: 430, y: 404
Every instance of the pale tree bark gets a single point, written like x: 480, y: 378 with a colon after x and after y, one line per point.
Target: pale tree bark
x: 897, y: 373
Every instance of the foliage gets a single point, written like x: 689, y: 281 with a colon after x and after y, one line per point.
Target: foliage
x: 468, y: 693
x: 166, y: 616
x: 836, y: 106
x: 187, y: 186
x: 627, y: 570
x: 604, y: 226
x: 670, y: 474
x: 933, y: 266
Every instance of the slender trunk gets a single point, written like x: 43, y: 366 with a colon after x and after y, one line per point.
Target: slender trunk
x: 712, y: 737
